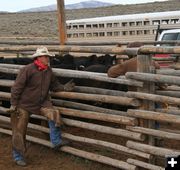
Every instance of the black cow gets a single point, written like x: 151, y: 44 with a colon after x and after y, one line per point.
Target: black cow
x: 56, y: 60
x: 23, y: 61
x: 99, y: 68
x: 101, y: 65
x: 19, y: 61
x: 82, y: 62
x: 107, y: 60
x: 64, y: 62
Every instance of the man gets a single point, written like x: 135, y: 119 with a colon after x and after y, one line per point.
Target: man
x: 30, y: 95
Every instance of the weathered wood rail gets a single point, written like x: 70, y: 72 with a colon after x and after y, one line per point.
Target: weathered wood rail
x: 24, y: 41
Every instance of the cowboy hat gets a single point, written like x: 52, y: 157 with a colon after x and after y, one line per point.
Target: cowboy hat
x: 41, y: 51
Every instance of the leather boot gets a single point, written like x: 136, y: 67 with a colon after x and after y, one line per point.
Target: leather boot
x: 21, y: 163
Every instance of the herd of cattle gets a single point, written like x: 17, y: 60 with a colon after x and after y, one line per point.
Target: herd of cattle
x: 92, y: 63
x: 68, y: 61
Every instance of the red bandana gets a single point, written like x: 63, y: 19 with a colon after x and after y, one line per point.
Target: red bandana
x: 40, y: 65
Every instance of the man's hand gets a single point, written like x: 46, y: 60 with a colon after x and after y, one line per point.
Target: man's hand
x: 69, y: 86
x: 12, y: 109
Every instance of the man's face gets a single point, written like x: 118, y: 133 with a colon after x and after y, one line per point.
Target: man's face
x: 44, y: 60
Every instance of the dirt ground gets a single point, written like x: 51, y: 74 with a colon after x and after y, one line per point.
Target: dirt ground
x: 39, y: 157
x: 42, y: 158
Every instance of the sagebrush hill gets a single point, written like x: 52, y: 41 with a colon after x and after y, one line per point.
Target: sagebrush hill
x: 45, y: 24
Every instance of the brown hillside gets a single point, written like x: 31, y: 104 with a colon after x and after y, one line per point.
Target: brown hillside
x: 45, y: 23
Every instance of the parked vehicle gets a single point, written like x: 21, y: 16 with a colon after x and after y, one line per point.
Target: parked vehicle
x: 168, y: 35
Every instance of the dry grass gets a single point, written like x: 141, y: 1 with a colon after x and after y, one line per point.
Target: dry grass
x: 45, y: 23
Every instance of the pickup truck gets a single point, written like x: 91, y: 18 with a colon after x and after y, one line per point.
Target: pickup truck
x: 167, y: 35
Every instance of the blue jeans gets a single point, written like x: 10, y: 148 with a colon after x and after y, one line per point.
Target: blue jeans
x: 17, y: 156
x: 55, y: 133
x: 55, y: 138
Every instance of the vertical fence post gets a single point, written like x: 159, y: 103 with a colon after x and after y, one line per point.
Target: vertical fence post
x: 144, y: 65
x: 61, y: 21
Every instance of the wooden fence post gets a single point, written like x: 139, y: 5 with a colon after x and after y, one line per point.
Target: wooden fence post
x: 61, y: 21
x: 144, y: 65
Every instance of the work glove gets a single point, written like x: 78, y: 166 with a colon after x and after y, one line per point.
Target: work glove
x: 12, y: 109
x: 69, y: 86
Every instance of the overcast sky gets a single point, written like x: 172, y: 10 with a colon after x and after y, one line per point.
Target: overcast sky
x: 17, y: 5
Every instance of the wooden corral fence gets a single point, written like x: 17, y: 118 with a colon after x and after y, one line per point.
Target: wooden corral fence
x: 125, y: 139
x: 51, y: 43
x: 54, y: 41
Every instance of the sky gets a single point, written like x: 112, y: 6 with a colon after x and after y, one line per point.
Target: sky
x: 17, y: 5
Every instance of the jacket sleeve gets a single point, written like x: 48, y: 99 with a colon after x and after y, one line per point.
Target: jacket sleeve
x: 116, y: 70
x: 18, y: 87
x: 55, y: 84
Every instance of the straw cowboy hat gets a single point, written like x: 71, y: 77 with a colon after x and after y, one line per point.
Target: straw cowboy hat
x: 41, y: 51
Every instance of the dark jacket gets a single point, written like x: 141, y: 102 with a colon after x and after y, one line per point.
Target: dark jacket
x: 122, y: 69
x: 31, y: 88
x: 128, y: 66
